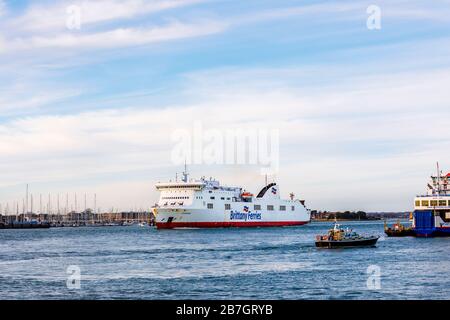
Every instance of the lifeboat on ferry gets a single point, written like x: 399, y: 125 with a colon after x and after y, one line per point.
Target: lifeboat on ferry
x: 246, y: 194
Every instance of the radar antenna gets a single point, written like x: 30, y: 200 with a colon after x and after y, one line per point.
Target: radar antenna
x: 185, y: 173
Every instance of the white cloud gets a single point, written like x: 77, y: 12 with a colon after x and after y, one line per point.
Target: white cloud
x: 53, y: 17
x: 332, y: 11
x: 44, y: 26
x: 3, y: 45
x: 2, y: 8
x: 119, y: 37
x: 437, y: 12
x: 20, y: 101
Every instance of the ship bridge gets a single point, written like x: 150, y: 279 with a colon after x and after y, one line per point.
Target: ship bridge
x: 438, y: 193
x: 432, y: 202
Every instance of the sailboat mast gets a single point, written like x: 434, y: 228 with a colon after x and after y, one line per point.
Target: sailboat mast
x: 95, y: 206
x: 26, y: 206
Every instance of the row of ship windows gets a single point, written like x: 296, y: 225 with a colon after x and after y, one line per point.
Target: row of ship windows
x: 180, y: 187
x: 213, y: 198
x: 174, y: 198
x: 256, y: 207
x: 199, y: 197
x: 222, y: 198
x: 432, y: 203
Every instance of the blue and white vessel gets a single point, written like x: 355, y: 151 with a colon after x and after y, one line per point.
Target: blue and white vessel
x: 431, y: 217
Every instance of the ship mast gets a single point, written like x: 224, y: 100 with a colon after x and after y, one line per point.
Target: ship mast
x: 185, y: 173
x: 438, y: 179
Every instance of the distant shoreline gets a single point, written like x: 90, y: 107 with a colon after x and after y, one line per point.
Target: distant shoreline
x: 356, y: 215
x: 331, y: 220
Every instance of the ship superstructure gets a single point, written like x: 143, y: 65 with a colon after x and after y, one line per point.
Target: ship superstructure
x: 431, y: 217
x: 204, y: 203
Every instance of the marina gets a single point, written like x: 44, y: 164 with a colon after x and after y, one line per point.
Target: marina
x: 59, y: 212
x: 76, y: 219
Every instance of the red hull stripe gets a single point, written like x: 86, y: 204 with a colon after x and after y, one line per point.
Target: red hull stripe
x: 171, y: 225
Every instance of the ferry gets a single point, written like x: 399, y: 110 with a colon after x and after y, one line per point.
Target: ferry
x: 204, y: 203
x: 431, y: 216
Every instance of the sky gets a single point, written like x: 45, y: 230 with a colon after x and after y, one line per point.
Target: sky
x: 90, y: 105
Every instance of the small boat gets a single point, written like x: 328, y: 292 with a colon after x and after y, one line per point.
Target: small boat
x: 398, y: 230
x: 339, y: 238
x: 111, y: 224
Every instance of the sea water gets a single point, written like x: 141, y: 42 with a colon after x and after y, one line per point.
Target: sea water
x: 249, y: 263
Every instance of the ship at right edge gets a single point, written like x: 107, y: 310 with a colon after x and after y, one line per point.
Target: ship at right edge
x: 431, y: 216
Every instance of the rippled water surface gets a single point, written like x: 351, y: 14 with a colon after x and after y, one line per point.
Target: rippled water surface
x: 262, y: 263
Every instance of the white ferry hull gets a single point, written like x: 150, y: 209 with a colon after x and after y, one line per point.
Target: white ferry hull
x: 196, y: 225
x: 171, y: 219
